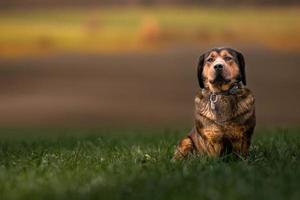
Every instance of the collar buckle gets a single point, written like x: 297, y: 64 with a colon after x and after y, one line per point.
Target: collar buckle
x: 234, y: 89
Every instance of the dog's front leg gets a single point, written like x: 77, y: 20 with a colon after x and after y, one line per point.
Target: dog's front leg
x: 241, y: 147
x: 184, y: 148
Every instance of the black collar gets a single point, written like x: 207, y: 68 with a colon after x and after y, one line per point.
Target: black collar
x: 214, y: 96
x: 232, y: 90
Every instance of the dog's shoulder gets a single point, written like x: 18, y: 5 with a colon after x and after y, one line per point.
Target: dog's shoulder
x: 245, y: 97
x: 245, y: 93
x: 200, y: 96
x: 245, y: 112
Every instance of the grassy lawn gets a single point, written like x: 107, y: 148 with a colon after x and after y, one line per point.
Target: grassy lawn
x: 123, y: 29
x: 107, y: 164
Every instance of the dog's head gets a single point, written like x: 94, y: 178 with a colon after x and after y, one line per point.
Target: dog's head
x: 220, y: 68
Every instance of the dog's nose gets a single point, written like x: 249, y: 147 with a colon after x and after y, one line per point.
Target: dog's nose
x: 218, y: 67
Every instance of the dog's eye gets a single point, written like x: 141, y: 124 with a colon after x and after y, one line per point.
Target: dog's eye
x: 227, y: 58
x: 210, y: 60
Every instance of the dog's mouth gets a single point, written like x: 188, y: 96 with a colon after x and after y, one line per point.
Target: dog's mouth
x: 219, y: 79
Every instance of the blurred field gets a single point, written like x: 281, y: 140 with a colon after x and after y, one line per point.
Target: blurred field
x: 136, y: 89
x: 44, y: 31
x: 110, y: 164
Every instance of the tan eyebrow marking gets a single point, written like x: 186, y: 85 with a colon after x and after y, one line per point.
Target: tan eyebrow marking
x: 225, y: 53
x: 213, y: 54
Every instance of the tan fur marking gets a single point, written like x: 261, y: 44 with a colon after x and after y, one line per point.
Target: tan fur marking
x: 183, y: 149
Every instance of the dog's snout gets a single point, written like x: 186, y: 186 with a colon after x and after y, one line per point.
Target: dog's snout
x: 218, y: 67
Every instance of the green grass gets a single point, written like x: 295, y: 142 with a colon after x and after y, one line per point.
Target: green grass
x: 107, y: 164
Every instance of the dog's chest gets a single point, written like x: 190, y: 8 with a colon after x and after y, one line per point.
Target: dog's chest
x: 219, y: 110
x: 226, y: 118
x: 223, y: 109
x: 215, y: 132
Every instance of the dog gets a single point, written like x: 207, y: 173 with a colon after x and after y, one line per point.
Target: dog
x: 224, y: 107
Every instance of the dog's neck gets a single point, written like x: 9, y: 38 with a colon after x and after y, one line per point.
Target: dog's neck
x: 222, y: 105
x: 233, y: 89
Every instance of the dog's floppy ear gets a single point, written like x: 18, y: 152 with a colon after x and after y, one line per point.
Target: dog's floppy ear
x: 241, y: 62
x: 200, y: 70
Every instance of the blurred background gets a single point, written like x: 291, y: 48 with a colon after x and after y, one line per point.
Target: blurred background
x: 133, y: 62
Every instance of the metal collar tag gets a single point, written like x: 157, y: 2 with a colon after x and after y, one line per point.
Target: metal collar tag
x: 213, y: 99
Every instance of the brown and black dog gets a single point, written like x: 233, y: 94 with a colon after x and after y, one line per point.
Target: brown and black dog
x: 224, y: 107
